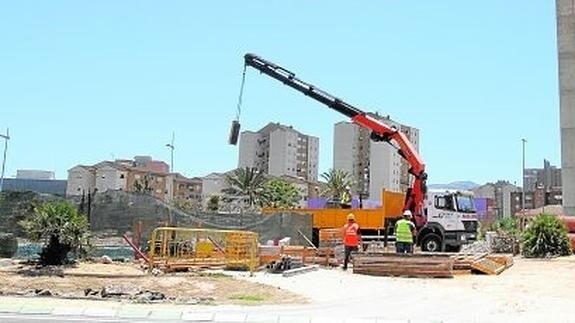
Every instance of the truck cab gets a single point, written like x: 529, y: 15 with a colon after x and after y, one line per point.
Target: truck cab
x: 451, y: 221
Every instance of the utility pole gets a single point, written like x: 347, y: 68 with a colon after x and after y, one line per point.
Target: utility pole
x: 6, y: 138
x: 172, y: 147
x: 523, y: 141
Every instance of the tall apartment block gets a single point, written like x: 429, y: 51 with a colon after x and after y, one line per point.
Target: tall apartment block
x: 373, y: 165
x: 280, y: 150
x: 566, y: 52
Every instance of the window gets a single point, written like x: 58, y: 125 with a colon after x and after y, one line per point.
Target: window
x: 465, y: 204
x: 122, y: 176
x: 444, y: 202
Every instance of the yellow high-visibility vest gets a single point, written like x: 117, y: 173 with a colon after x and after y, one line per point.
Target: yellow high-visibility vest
x: 403, y: 231
x: 345, y: 198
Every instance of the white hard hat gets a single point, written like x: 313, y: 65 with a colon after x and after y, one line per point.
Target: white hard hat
x: 407, y: 213
x: 347, y: 187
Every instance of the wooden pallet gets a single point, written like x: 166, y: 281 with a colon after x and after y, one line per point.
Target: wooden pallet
x: 506, y: 260
x: 488, y: 266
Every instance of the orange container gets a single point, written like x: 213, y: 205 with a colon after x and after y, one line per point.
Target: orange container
x: 569, y: 222
x: 572, y: 238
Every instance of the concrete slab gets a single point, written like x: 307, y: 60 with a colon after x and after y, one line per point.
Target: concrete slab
x: 100, y: 312
x: 162, y: 315
x: 262, y: 318
x: 373, y: 320
x: 295, y: 319
x: 68, y: 311
x: 10, y: 308
x: 192, y: 316
x: 133, y: 313
x: 383, y: 320
x: 229, y: 318
x: 326, y: 320
x: 36, y: 310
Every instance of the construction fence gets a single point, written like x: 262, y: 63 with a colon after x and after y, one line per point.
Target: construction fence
x: 174, y: 248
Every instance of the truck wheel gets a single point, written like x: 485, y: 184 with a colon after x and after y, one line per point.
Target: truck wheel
x: 431, y: 243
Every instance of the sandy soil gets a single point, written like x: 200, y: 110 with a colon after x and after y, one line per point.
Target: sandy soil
x: 212, y: 289
x: 530, y: 291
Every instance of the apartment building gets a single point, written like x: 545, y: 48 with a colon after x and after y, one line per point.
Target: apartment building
x: 280, y: 150
x: 548, y: 177
x: 213, y: 184
x: 501, y: 193
x: 373, y: 166
x: 140, y: 174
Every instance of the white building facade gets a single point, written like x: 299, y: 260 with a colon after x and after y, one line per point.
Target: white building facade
x: 373, y: 166
x: 280, y: 150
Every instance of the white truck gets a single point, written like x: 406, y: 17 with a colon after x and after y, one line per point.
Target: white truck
x: 451, y: 221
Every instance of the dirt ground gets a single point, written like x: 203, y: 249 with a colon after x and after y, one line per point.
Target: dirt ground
x: 530, y: 291
x: 180, y: 287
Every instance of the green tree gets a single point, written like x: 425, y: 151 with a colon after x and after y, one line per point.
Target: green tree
x: 336, y: 181
x: 279, y: 193
x: 508, y: 226
x: 247, y: 183
x: 60, y: 227
x: 186, y: 205
x: 143, y: 185
x: 213, y: 203
x: 545, y: 236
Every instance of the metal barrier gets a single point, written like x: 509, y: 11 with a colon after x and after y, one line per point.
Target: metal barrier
x: 173, y: 248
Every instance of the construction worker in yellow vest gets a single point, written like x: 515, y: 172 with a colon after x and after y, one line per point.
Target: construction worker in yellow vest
x: 345, y: 201
x: 404, y: 232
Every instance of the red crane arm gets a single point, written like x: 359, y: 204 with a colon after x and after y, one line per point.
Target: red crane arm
x: 380, y: 131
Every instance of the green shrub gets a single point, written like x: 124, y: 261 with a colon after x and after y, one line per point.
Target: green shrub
x: 508, y: 226
x: 545, y: 236
x: 60, y: 227
x: 8, y: 245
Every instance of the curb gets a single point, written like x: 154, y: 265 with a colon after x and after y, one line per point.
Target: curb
x: 200, y: 316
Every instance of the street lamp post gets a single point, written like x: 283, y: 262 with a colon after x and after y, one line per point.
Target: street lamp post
x: 172, y: 147
x: 172, y: 157
x: 6, y: 138
x: 523, y: 141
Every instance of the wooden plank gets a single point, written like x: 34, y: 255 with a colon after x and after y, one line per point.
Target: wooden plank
x: 403, y: 265
x: 488, y: 266
x: 506, y: 260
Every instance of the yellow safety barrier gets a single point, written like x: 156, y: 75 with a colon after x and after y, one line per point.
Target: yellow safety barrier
x: 173, y: 248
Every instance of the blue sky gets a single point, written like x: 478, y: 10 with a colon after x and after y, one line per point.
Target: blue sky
x: 85, y: 81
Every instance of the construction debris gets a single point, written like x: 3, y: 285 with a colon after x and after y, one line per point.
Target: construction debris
x: 283, y: 264
x: 297, y: 271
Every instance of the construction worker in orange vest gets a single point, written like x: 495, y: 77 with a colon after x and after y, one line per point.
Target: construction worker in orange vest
x: 351, y: 238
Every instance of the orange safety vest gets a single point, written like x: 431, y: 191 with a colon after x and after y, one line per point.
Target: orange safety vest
x: 351, y: 238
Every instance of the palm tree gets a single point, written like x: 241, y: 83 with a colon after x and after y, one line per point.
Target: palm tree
x: 336, y: 181
x: 246, y: 182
